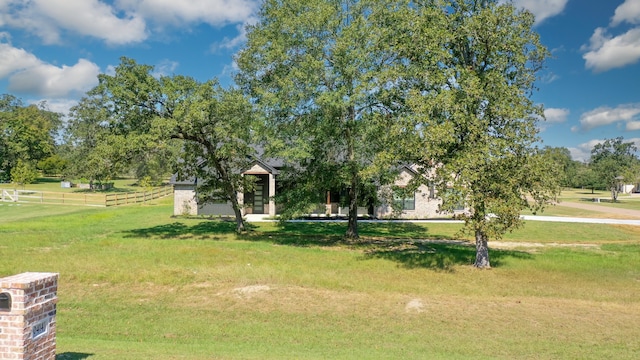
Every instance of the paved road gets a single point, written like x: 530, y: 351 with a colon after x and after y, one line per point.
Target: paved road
x: 526, y: 217
x: 584, y: 206
x: 601, y: 208
x: 592, y: 207
x: 581, y: 220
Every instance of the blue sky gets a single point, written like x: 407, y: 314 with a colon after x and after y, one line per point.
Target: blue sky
x: 53, y: 50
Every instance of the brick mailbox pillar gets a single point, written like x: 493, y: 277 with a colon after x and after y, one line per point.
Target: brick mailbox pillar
x: 28, y: 316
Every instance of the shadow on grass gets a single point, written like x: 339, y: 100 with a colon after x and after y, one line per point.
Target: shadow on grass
x: 48, y: 180
x: 72, y: 356
x: 441, y: 255
x: 366, y: 230
x: 326, y: 233
x: 404, y: 230
x: 113, y: 190
x: 408, y: 244
x: 294, y: 233
x: 206, y: 230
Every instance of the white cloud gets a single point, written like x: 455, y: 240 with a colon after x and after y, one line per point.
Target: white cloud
x: 241, y: 38
x: 555, y: 115
x: 542, y: 9
x: 14, y: 59
x: 606, y: 52
x: 230, y: 69
x: 228, y: 43
x: 164, y: 68
x: 49, y: 18
x: 549, y: 77
x: 583, y: 151
x: 28, y: 74
x: 172, y: 12
x: 53, y: 81
x: 633, y: 125
x: 61, y: 106
x: 110, y: 70
x: 629, y: 12
x: 97, y: 19
x: 635, y: 141
x: 605, y: 116
x: 120, y: 21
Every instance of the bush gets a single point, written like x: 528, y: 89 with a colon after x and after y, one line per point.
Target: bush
x: 24, y: 173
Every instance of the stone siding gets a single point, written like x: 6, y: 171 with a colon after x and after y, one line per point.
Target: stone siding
x: 184, y: 200
x: 426, y: 202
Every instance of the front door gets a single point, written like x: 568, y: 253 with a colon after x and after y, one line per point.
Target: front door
x: 259, y: 195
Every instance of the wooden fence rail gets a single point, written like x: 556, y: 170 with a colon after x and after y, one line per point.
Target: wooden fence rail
x: 137, y: 197
x: 84, y: 199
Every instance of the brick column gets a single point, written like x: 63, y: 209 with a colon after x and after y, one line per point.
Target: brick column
x: 28, y: 316
x: 272, y: 194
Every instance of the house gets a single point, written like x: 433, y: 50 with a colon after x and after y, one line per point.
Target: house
x: 260, y: 201
x: 420, y: 204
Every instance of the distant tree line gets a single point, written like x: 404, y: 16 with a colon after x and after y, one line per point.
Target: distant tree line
x: 28, y: 144
x: 613, y: 164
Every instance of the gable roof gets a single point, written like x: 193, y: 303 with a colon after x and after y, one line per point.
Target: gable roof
x: 270, y: 165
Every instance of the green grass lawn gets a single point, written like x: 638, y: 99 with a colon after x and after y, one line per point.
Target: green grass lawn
x: 587, y: 194
x: 577, y: 194
x: 558, y: 210
x: 136, y: 283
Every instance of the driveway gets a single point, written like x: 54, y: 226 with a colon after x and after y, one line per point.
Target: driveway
x: 591, y: 207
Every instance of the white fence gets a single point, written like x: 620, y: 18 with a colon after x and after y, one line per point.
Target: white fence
x: 84, y: 199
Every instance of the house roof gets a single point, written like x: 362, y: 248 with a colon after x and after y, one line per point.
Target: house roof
x: 174, y: 180
x: 270, y: 165
x: 409, y: 169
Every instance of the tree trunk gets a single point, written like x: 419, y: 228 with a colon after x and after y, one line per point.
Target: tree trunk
x: 352, y: 230
x: 231, y: 190
x: 482, y: 250
x: 236, y: 210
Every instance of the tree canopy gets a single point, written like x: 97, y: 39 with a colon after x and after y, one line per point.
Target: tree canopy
x: 614, y: 163
x: 566, y: 166
x: 330, y: 79
x: 168, y: 122
x: 347, y: 92
x: 27, y: 134
x: 479, y: 125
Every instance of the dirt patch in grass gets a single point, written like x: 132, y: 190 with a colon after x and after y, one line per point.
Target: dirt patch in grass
x: 403, y: 244
x: 415, y: 305
x: 536, y: 245
x: 251, y: 290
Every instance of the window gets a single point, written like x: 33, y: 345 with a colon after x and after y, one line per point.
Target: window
x: 404, y: 200
x: 454, y: 197
x: 432, y: 191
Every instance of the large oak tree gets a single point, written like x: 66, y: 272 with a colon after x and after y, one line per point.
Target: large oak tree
x: 479, y: 125
x: 146, y: 114
x: 330, y: 77
x: 27, y: 134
